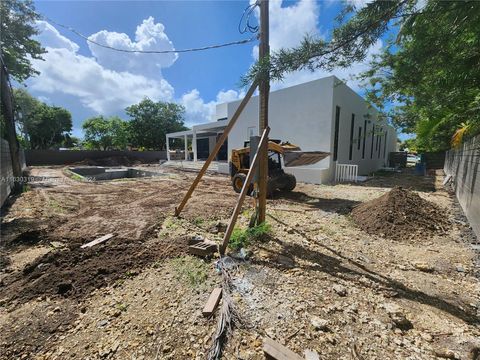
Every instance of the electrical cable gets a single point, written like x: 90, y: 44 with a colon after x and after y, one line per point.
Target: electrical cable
x: 247, y: 13
x: 69, y: 28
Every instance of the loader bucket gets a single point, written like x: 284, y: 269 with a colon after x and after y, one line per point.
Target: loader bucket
x: 301, y: 158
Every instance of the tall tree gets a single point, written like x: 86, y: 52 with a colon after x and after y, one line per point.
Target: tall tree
x: 151, y: 121
x: 26, y: 107
x: 41, y: 126
x: 106, y: 133
x: 431, y: 68
x: 50, y: 127
x: 17, y: 27
x: 431, y: 74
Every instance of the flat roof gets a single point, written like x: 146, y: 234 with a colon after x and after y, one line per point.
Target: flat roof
x: 201, y: 129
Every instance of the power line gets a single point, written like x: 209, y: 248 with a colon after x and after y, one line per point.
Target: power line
x: 239, y: 42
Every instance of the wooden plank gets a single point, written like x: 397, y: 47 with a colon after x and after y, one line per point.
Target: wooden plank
x: 217, y: 147
x: 278, y: 351
x: 212, y: 302
x: 97, y: 241
x: 243, y: 193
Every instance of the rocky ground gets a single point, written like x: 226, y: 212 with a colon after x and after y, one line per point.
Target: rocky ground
x: 316, y: 282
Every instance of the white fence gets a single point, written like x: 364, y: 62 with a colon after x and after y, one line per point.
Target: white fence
x: 346, y: 173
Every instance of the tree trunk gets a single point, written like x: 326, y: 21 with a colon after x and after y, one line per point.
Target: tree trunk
x: 8, y: 115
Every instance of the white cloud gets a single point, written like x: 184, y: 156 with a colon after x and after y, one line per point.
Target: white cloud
x: 288, y: 27
x: 148, y: 36
x: 105, y: 84
x: 50, y: 37
x: 197, y: 111
x: 110, y: 81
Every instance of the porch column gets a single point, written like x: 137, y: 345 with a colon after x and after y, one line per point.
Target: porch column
x: 194, y: 145
x: 186, y: 147
x: 168, y: 148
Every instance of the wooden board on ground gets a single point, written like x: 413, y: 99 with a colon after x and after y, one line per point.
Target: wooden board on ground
x: 277, y: 351
x: 212, y: 302
x: 97, y: 241
x: 203, y: 248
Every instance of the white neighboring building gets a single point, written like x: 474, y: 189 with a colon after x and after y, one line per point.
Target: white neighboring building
x: 320, y: 115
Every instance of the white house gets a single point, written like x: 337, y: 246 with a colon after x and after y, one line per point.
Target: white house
x: 320, y: 115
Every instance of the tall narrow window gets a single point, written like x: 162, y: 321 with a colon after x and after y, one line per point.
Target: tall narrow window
x: 335, y: 139
x: 352, y: 126
x: 373, y: 138
x: 359, y: 137
x: 380, y: 143
x: 385, y: 145
x: 364, y: 138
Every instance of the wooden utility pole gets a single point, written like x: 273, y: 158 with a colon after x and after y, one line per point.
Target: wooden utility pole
x: 7, y: 111
x: 264, y: 89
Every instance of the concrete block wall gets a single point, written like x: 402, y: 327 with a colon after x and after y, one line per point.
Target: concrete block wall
x: 6, y: 170
x: 463, y: 165
x: 65, y: 157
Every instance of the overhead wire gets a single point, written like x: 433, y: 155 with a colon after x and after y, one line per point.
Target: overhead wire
x: 209, y: 47
x: 247, y: 13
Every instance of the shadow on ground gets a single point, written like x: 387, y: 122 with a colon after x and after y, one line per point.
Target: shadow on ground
x: 337, y: 205
x: 335, y: 266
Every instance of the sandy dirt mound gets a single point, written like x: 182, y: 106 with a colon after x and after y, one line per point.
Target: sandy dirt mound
x: 400, y: 214
x: 75, y: 272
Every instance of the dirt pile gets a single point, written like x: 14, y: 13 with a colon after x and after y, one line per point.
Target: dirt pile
x: 400, y: 215
x: 110, y: 161
x: 75, y: 272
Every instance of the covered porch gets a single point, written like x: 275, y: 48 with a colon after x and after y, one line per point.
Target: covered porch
x: 202, y: 138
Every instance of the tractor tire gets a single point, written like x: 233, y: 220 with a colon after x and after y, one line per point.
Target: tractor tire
x: 238, y: 181
x: 291, y: 182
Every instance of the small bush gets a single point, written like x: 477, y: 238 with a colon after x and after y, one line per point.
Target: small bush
x: 243, y: 238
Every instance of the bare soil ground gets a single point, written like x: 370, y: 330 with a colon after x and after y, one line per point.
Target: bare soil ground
x: 318, y: 282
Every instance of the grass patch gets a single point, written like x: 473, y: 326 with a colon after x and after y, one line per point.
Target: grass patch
x: 170, y: 223
x: 191, y: 270
x: 198, y: 221
x: 243, y: 238
x: 56, y: 206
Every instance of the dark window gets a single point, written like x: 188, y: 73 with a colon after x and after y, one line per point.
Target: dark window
x: 364, y: 138
x: 352, y: 125
x: 335, y: 139
x: 373, y: 139
x: 359, y: 137
x: 380, y: 144
x: 385, y: 146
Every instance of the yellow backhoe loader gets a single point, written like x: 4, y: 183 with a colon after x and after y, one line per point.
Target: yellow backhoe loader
x: 280, y: 154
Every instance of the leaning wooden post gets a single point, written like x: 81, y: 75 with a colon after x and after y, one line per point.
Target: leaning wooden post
x: 217, y: 147
x: 243, y: 193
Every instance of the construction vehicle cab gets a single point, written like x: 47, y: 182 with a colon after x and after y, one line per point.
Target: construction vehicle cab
x: 277, y: 178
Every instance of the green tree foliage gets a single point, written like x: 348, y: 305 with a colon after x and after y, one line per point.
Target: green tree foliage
x: 17, y: 27
x: 432, y: 70
x: 41, y: 126
x: 106, y: 133
x: 429, y: 75
x: 50, y: 127
x: 151, y: 121
x: 410, y: 144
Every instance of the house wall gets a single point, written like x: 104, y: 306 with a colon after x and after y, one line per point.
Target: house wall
x: 305, y: 115
x: 351, y: 103
x: 299, y: 114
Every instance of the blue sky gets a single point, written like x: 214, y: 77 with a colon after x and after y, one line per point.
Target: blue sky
x: 88, y: 80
